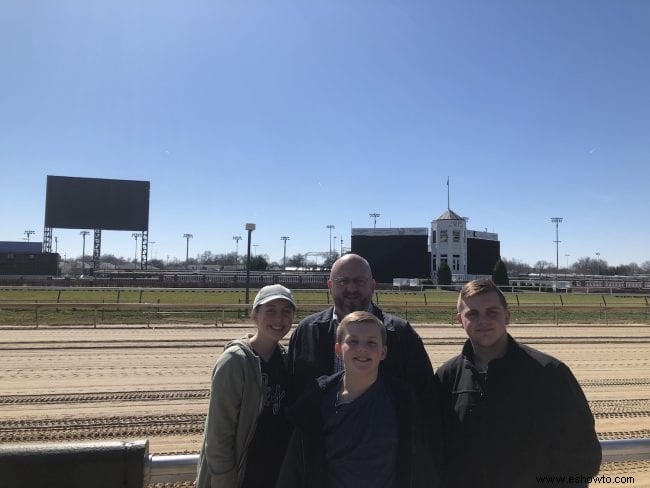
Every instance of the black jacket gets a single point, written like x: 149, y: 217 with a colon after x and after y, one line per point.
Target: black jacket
x: 304, y: 463
x: 527, y: 418
x: 311, y: 355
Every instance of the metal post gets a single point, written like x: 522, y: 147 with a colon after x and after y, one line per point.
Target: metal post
x: 556, y: 221
x: 330, y: 227
x: 187, y: 237
x: 236, y: 239
x: 83, y: 233
x: 284, y: 255
x: 249, y: 228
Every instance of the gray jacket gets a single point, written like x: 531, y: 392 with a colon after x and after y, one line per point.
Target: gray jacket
x: 236, y: 402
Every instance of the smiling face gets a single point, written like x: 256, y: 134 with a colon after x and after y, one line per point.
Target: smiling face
x: 485, y: 321
x: 273, y: 319
x: 361, y: 348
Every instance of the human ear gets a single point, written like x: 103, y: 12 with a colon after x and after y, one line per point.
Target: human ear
x: 337, y: 349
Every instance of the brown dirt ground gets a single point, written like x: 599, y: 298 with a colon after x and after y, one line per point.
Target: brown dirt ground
x: 611, y: 362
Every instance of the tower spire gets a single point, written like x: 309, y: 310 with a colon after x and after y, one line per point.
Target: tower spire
x: 448, y: 207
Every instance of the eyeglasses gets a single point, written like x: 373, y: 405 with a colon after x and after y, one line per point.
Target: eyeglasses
x: 358, y: 282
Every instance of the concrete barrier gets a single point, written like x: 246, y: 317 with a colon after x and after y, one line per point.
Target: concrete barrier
x: 107, y: 464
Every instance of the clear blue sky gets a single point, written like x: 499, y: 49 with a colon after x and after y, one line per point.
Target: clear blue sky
x: 295, y: 115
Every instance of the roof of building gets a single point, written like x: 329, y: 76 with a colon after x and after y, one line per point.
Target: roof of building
x: 450, y: 215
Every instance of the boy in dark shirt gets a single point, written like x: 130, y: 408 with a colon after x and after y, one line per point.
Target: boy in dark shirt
x: 358, y: 428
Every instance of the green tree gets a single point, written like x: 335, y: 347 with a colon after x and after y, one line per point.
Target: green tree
x: 444, y: 274
x: 259, y: 263
x: 500, y: 274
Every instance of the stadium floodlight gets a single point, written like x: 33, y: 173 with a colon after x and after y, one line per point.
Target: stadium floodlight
x: 284, y: 255
x: 557, y: 221
x: 136, y: 236
x: 375, y: 216
x: 236, y: 239
x: 28, y: 233
x: 249, y: 228
x: 187, y: 237
x: 83, y: 234
x: 330, y: 227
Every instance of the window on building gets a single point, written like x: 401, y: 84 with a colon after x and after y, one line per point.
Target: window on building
x: 433, y: 260
x: 456, y: 235
x: 444, y: 235
x: 456, y: 262
x: 443, y: 258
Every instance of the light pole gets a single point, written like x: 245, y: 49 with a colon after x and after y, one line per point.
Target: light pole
x: 136, y: 236
x: 330, y: 227
x: 83, y: 234
x: 341, y: 245
x: 375, y: 215
x: 249, y: 228
x: 255, y: 246
x: 598, y: 259
x: 56, y: 245
x: 236, y: 239
x: 556, y: 221
x: 187, y: 237
x: 150, y: 244
x: 28, y: 233
x: 284, y: 255
x: 334, y: 245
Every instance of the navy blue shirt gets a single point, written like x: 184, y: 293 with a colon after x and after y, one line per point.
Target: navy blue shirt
x: 360, y: 438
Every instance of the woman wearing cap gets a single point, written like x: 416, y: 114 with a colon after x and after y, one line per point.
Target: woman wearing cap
x: 246, y: 432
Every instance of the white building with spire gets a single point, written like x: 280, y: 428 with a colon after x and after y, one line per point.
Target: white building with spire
x: 468, y: 253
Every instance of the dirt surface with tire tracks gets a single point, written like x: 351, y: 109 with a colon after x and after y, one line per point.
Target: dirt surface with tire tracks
x: 130, y: 382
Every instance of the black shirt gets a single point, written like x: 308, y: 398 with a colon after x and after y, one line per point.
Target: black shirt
x: 269, y: 443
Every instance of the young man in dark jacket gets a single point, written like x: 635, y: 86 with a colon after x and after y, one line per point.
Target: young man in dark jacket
x: 513, y: 414
x: 358, y: 428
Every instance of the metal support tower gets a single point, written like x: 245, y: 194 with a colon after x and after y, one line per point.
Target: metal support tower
x: 47, y: 239
x: 97, y: 249
x: 144, y: 252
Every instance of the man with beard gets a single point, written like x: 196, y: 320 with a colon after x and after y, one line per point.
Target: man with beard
x: 311, y: 348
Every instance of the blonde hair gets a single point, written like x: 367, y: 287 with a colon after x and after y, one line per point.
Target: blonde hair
x: 480, y: 287
x: 359, y: 317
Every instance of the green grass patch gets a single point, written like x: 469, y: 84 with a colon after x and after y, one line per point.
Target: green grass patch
x: 434, y: 306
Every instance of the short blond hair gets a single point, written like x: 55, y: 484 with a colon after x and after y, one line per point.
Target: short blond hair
x: 356, y: 318
x: 480, y: 287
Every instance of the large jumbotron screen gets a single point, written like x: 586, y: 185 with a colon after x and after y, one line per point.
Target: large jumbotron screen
x: 393, y: 253
x: 94, y: 203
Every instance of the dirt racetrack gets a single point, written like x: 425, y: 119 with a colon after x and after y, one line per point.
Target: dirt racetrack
x: 130, y: 382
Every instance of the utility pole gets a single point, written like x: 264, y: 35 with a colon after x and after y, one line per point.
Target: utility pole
x: 330, y: 227
x: 136, y: 236
x: 28, y: 233
x: 557, y: 221
x: 375, y: 216
x: 187, y: 237
x: 249, y: 228
x: 284, y: 255
x: 83, y: 234
x: 236, y: 239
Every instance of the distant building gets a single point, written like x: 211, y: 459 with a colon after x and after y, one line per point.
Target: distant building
x: 26, y: 258
x: 414, y: 252
x: 466, y: 252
